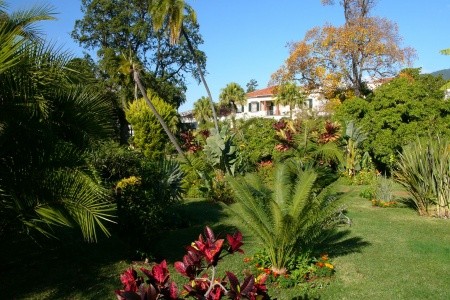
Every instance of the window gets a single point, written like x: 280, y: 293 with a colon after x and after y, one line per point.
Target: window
x: 308, y: 103
x: 253, y: 107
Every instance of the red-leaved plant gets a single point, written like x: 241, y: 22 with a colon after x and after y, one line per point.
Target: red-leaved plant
x: 199, y: 265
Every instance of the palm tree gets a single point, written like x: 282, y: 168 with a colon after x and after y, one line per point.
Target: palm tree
x: 289, y: 94
x: 288, y: 219
x: 232, y: 95
x: 172, y: 13
x: 202, y: 110
x: 47, y: 126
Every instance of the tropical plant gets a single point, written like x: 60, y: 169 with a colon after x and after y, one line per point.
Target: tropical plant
x: 289, y: 94
x: 47, y: 126
x: 424, y: 169
x: 199, y: 265
x: 232, y: 95
x: 19, y: 28
x: 288, y: 220
x: 171, y: 13
x: 354, y: 136
x: 202, y: 111
x: 221, y: 151
x: 301, y: 139
x: 148, y: 135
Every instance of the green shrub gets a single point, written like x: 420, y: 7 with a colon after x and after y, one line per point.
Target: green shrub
x: 148, y: 134
x: 145, y: 201
x: 256, y: 141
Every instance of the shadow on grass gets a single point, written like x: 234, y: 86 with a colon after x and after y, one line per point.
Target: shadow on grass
x: 194, y: 216
x: 339, y: 243
x: 64, y: 269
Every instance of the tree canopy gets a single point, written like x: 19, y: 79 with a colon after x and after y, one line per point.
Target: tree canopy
x: 410, y: 105
x: 124, y: 29
x: 330, y: 57
x: 232, y: 95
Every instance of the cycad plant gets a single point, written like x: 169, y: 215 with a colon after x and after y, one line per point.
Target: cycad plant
x: 424, y: 170
x: 289, y: 219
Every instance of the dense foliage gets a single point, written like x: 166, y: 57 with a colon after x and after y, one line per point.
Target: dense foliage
x: 410, y: 105
x: 48, y: 123
x: 148, y: 134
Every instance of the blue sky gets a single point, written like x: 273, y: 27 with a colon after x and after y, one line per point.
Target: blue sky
x: 246, y: 39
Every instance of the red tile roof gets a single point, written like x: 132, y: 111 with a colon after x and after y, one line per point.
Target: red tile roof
x: 261, y: 93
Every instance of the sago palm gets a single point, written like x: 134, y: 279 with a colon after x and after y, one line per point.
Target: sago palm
x: 288, y: 219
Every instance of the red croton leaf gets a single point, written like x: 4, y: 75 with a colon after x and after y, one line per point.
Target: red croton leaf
x: 173, y: 291
x: 128, y: 279
x: 209, y: 234
x: 235, y: 242
x: 211, y: 251
x: 159, y: 273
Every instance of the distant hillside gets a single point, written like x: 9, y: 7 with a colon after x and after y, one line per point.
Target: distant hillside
x: 445, y: 73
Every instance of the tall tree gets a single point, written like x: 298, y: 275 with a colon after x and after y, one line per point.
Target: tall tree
x: 171, y: 13
x: 330, y: 57
x: 289, y: 94
x: 202, y: 110
x: 232, y: 95
x: 354, y: 9
x: 117, y: 28
x: 251, y: 85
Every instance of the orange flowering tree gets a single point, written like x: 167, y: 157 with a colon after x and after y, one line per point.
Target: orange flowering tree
x: 331, y: 57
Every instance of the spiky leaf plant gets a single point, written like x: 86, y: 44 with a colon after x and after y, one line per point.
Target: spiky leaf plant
x: 424, y: 170
x: 290, y: 218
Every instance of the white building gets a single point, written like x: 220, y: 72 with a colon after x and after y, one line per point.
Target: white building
x: 261, y: 103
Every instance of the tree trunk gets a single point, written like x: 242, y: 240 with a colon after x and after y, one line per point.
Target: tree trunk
x: 158, y: 116
x: 191, y: 48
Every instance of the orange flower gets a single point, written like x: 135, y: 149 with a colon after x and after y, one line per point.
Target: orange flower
x: 320, y: 264
x: 324, y: 256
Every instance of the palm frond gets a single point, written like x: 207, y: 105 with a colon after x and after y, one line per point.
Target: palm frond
x: 302, y: 193
x: 84, y: 201
x: 10, y: 48
x: 290, y: 216
x: 26, y: 20
x: 250, y: 210
x: 329, y: 152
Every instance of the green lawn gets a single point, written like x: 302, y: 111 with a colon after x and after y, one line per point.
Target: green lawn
x: 395, y: 255
x: 408, y: 256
